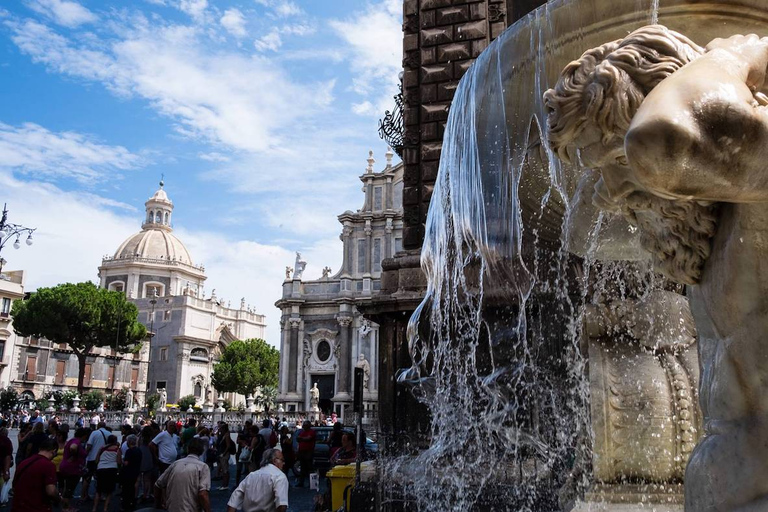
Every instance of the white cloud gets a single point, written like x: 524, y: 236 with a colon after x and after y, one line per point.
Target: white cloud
x: 271, y: 41
x: 240, y: 101
x: 73, y: 232
x: 31, y: 148
x: 299, y: 29
x: 282, y: 8
x: 213, y: 156
x: 195, y: 8
x: 234, y: 22
x: 374, y: 38
x: 64, y: 12
x: 364, y: 108
x: 287, y: 8
x: 68, y: 249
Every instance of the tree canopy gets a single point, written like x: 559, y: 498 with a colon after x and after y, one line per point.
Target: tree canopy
x: 245, y: 366
x: 81, y: 315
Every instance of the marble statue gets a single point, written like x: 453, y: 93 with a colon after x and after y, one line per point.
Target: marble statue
x: 299, y: 266
x: 129, y: 399
x: 163, y: 402
x: 326, y: 272
x: 314, y: 398
x: 208, y: 394
x: 365, y: 328
x: 680, y: 136
x: 362, y: 362
x: 288, y: 272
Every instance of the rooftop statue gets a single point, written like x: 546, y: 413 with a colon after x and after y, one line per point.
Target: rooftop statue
x: 680, y: 136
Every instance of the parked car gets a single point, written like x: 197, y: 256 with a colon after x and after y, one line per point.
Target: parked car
x: 321, y: 458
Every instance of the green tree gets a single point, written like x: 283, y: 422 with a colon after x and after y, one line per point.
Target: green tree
x: 186, y: 402
x: 117, y: 400
x: 151, y: 402
x: 81, y: 315
x: 245, y: 366
x: 92, y: 400
x: 9, y: 399
x: 267, y: 397
x: 68, y: 397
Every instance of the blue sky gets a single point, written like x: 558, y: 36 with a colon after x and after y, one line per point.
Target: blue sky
x: 259, y: 113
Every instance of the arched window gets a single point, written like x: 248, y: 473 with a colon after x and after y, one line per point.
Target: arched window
x: 151, y: 217
x: 198, y: 390
x: 166, y: 219
x: 117, y: 286
x: 199, y: 354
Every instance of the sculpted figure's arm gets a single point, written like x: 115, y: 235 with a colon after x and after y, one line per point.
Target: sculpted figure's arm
x: 702, y: 133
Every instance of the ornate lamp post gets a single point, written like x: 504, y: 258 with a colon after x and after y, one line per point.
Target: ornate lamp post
x: 151, y: 332
x: 9, y: 230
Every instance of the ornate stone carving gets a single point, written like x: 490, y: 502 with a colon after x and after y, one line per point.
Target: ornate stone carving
x: 411, y: 23
x: 344, y: 321
x: 307, y: 351
x: 677, y: 124
x: 496, y: 13
x: 326, y: 272
x: 288, y: 271
x: 365, y: 328
x: 295, y: 322
x: 676, y: 231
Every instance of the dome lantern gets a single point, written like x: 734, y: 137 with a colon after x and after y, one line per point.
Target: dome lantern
x: 158, y: 210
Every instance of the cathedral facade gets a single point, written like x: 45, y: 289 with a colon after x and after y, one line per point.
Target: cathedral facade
x: 188, y: 330
x: 323, y: 336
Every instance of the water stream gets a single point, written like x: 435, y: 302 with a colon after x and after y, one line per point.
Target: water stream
x: 496, y: 342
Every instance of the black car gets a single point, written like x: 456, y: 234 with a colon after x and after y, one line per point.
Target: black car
x: 321, y: 459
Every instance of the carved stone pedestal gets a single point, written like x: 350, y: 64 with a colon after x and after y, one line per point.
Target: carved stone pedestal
x: 632, y: 498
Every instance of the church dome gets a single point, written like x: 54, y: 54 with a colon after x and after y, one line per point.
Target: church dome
x: 156, y: 241
x: 156, y: 244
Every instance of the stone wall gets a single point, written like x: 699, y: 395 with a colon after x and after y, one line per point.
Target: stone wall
x: 441, y: 39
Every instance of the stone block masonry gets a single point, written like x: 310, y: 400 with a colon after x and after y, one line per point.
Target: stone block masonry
x: 441, y: 40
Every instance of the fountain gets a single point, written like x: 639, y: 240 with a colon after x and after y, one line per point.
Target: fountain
x: 556, y: 348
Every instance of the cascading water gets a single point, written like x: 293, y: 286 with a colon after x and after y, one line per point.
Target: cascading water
x: 496, y: 344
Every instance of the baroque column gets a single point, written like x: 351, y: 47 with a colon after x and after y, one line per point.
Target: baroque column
x: 344, y: 356
x: 294, y: 349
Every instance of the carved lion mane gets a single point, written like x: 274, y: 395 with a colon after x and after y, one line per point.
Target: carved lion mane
x: 605, y: 87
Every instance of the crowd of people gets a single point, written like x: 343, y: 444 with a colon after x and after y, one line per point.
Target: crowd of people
x: 171, y: 465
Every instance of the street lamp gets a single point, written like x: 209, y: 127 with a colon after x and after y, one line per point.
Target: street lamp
x: 117, y: 344
x: 151, y: 332
x: 8, y: 231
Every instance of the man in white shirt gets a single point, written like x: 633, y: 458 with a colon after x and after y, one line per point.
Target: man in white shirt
x: 163, y: 446
x: 265, y: 490
x: 95, y: 443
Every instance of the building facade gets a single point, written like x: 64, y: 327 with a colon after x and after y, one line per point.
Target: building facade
x: 189, y: 330
x: 11, y: 289
x: 36, y: 367
x: 323, y: 336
